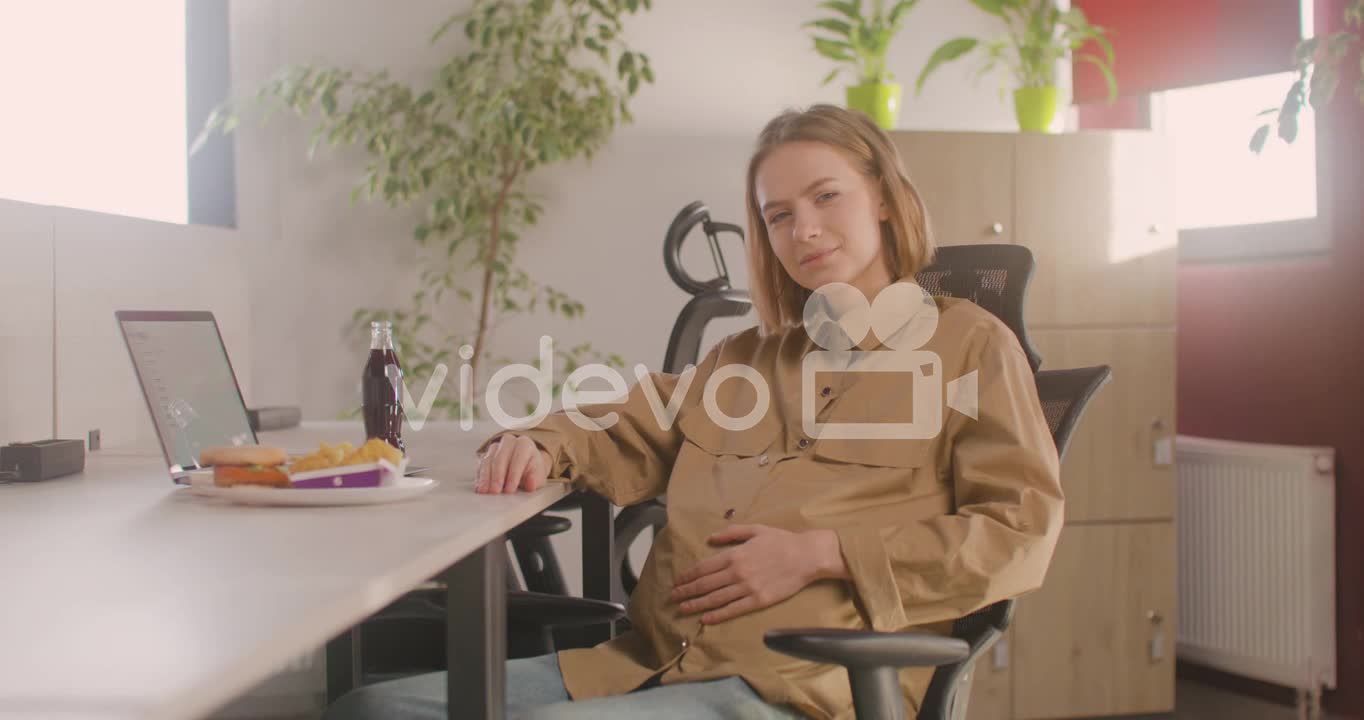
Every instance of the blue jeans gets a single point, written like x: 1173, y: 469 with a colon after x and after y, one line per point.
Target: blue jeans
x: 535, y: 691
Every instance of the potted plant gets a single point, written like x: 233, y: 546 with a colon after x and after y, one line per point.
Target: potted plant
x: 526, y: 83
x: 1039, y: 34
x: 859, y: 43
x: 1318, y: 61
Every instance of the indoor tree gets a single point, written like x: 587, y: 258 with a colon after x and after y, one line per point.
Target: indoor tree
x: 528, y: 83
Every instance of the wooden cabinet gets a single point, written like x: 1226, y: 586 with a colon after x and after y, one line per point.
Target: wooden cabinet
x: 966, y: 182
x: 1097, y: 211
x: 1120, y: 462
x: 1098, y: 638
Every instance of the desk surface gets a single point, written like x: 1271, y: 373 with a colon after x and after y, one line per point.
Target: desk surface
x: 127, y: 597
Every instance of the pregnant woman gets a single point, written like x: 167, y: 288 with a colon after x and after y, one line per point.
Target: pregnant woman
x: 800, y: 491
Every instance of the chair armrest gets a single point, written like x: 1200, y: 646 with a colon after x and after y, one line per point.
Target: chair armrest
x: 527, y: 609
x: 540, y: 526
x: 560, y: 611
x: 867, y: 648
x: 571, y: 501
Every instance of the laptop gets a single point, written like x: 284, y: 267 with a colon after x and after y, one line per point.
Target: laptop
x: 188, y: 382
x: 190, y: 387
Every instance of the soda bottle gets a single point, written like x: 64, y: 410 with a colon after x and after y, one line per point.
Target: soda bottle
x: 382, y: 388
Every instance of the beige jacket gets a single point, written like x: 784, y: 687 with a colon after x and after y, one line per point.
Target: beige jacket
x: 931, y: 529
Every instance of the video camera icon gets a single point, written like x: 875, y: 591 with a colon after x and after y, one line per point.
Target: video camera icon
x: 904, y: 317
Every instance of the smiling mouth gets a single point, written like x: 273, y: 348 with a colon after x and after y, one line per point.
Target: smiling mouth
x: 814, y: 257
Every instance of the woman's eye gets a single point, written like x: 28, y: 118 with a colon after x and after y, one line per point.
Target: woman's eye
x: 776, y: 218
x: 825, y: 197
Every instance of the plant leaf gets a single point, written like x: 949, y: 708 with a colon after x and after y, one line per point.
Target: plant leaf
x: 994, y: 7
x: 1257, y: 141
x: 833, y: 49
x: 948, y: 51
x: 838, y: 27
x: 1104, y: 43
x: 1304, y: 51
x: 847, y: 9
x: 897, y: 12
x: 1112, y: 81
x: 1325, y: 78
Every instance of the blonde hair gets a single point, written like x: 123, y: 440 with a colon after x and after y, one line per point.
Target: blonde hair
x: 906, y: 240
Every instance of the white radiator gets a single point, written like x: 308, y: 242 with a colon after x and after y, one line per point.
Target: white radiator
x: 1257, y: 560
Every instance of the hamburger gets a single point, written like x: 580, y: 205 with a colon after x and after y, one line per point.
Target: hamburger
x: 246, y: 465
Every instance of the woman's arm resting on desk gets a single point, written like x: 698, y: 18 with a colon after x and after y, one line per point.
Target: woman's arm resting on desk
x: 511, y: 463
x: 622, y: 450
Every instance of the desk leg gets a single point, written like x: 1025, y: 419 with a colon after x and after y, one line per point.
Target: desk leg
x: 599, y: 573
x: 343, y: 664
x: 476, y: 633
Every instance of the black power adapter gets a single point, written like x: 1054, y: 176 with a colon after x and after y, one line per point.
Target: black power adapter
x: 43, y: 460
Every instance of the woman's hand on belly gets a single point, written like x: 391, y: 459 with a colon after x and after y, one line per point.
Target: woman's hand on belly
x: 767, y: 566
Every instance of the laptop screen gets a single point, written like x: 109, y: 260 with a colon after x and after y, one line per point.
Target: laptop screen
x: 188, y: 381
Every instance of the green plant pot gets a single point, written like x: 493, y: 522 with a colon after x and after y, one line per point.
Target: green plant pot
x: 1035, y: 108
x: 879, y: 101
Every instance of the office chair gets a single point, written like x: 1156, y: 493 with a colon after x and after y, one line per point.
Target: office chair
x: 873, y: 659
x: 995, y: 277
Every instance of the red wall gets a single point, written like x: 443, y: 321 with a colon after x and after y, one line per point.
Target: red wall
x: 1274, y: 352
x: 1163, y: 44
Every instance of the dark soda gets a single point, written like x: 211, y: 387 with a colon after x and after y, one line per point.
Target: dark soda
x: 382, y: 388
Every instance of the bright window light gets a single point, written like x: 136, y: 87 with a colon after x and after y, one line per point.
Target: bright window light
x: 1219, y: 182
x: 94, y: 106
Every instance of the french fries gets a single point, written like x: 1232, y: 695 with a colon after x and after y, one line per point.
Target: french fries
x: 330, y: 456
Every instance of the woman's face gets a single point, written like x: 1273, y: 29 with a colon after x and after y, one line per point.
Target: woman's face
x: 823, y: 217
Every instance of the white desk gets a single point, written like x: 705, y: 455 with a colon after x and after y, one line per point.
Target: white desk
x: 126, y: 597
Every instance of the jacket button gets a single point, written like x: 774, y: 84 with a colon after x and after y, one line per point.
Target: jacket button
x: 827, y: 391
x: 762, y: 460
x: 729, y: 513
x: 685, y: 644
x: 804, y: 443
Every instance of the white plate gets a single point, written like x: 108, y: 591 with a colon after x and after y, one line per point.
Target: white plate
x: 403, y: 488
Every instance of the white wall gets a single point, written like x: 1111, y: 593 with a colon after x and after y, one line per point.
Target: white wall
x: 724, y: 67
x: 25, y: 323
x: 63, y: 273
x: 108, y: 262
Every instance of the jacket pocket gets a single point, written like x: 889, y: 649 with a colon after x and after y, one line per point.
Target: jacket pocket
x: 720, y: 471
x: 909, y: 453
x: 709, y: 436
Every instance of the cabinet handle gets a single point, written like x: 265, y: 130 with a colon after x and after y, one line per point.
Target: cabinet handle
x: 997, y: 229
x: 1162, y: 451
x: 999, y: 655
x: 1156, y: 646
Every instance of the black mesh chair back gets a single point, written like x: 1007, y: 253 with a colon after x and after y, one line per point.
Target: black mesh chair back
x: 1063, y: 394
x: 994, y: 277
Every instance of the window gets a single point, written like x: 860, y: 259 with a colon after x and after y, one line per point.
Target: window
x: 1218, y: 181
x: 1231, y: 203
x: 95, y: 104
